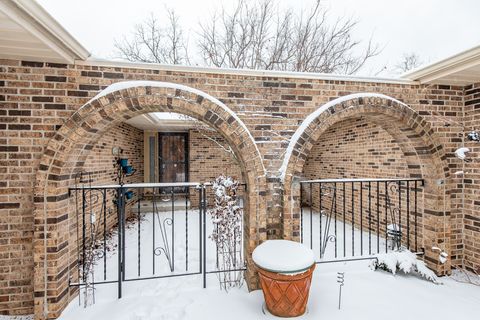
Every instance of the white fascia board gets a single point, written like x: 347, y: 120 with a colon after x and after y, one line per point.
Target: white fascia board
x: 458, y: 62
x: 34, y: 19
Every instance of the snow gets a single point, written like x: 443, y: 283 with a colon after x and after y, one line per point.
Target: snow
x: 283, y: 256
x: 159, y: 84
x: 393, y: 227
x: 405, y: 261
x: 312, y: 116
x: 367, y: 294
x: 341, y: 180
x: 460, y: 153
x: 465, y: 276
x: 140, y: 185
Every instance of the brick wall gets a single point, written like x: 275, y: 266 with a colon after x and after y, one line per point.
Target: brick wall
x: 99, y: 170
x: 36, y: 99
x: 357, y: 148
x: 208, y: 159
x: 100, y: 160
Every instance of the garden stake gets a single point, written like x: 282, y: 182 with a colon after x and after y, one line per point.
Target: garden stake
x: 341, y: 280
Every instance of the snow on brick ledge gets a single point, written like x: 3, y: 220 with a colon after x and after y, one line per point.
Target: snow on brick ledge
x: 283, y: 256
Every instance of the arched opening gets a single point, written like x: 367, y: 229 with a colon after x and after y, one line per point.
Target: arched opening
x: 68, y: 152
x: 324, y: 147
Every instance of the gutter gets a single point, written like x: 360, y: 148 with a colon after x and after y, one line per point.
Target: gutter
x: 242, y: 72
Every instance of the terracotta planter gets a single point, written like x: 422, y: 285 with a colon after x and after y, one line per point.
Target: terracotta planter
x: 286, y: 295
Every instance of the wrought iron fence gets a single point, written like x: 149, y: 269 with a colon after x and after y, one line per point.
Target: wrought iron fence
x: 170, y: 233
x: 345, y: 219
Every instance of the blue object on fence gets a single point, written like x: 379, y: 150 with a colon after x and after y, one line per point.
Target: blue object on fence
x: 128, y: 169
x: 123, y: 162
x: 129, y: 195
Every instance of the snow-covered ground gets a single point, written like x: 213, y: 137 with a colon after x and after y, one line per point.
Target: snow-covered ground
x: 367, y: 294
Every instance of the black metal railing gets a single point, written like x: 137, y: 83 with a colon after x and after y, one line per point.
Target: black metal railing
x: 154, y: 229
x: 345, y: 219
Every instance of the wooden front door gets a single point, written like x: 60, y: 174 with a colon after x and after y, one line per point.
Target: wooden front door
x: 173, y: 157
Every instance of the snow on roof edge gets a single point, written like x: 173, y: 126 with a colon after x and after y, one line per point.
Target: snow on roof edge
x: 312, y: 116
x: 92, y: 61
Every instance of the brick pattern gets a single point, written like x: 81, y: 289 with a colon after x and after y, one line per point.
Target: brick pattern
x: 100, y: 161
x: 69, y: 147
x: 357, y: 148
x: 207, y: 160
x: 99, y: 170
x: 41, y: 118
x: 420, y: 146
x: 470, y: 200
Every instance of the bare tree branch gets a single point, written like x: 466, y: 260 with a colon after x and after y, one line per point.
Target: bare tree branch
x: 153, y: 42
x: 409, y: 61
x: 251, y: 37
x: 256, y: 35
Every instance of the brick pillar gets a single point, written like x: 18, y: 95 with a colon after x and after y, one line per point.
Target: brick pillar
x: 51, y: 258
x: 436, y: 221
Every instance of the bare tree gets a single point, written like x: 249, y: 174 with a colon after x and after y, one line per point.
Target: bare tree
x: 261, y: 36
x: 256, y: 35
x: 409, y: 61
x: 153, y: 42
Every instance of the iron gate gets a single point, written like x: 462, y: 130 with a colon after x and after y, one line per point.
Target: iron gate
x: 354, y: 219
x: 143, y: 231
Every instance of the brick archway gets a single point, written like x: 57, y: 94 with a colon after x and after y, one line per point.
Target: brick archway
x: 69, y: 147
x: 423, y: 153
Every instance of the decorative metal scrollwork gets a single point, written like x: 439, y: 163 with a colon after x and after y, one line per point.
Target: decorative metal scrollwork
x: 394, y: 229
x: 326, y: 236
x: 165, y: 247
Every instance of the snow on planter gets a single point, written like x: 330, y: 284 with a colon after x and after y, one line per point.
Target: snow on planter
x: 283, y: 256
x: 285, y: 269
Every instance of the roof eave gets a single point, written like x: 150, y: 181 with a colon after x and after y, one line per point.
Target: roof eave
x: 35, y: 19
x: 445, y: 67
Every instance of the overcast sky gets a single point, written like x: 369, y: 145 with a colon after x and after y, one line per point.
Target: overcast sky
x: 434, y: 29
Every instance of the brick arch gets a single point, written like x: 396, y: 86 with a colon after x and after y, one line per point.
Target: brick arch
x: 423, y: 153
x: 68, y: 149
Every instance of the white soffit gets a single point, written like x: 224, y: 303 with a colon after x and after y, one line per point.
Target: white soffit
x: 28, y: 32
x: 460, y: 69
x: 162, y: 121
